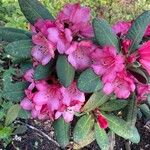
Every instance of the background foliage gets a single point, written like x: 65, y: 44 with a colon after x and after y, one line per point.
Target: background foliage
x: 112, y: 10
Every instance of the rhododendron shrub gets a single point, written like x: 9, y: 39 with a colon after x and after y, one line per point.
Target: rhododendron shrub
x: 73, y: 68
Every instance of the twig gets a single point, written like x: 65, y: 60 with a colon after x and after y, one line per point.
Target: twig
x: 41, y: 132
x: 127, y: 145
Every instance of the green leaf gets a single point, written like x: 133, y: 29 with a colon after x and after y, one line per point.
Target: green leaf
x: 139, y: 74
x: 42, y: 72
x: 26, y: 65
x: 14, y: 91
x: 5, y: 132
x: 65, y: 71
x: 20, y: 130
x: 145, y: 110
x: 119, y: 126
x: 88, y: 140
x: 12, y: 34
x: 19, y: 49
x: 104, y: 34
x: 113, y: 105
x: 89, y: 82
x: 83, y: 129
x: 61, y: 130
x: 33, y: 10
x: 137, y: 30
x: 96, y: 100
x: 12, y: 114
x: 23, y: 114
x: 131, y: 111
x: 101, y: 137
x: 135, y: 138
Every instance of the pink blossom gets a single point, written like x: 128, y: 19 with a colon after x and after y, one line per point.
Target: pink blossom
x: 142, y: 92
x: 144, y: 56
x: 72, y: 100
x: 107, y: 62
x: 81, y: 57
x: 121, y: 27
x: 28, y: 76
x: 77, y: 19
x: 43, y: 51
x: 102, y: 121
x: 26, y: 104
x: 147, y: 32
x: 122, y: 85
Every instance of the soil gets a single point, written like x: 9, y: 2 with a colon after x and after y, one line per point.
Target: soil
x: 34, y: 140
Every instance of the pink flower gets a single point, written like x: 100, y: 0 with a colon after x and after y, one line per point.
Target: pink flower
x: 102, y: 121
x: 107, y: 62
x: 77, y: 19
x: 43, y: 51
x: 142, y: 92
x: 81, y: 57
x: 144, y: 56
x: 28, y: 76
x: 26, y: 104
x: 122, y: 85
x: 121, y: 27
x: 72, y: 100
x: 147, y: 32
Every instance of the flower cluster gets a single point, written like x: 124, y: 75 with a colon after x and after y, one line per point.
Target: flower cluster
x: 51, y: 101
x: 70, y: 34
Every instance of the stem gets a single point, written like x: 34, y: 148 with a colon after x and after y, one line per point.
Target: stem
x: 41, y: 132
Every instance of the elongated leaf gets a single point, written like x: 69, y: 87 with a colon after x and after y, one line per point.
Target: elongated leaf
x: 42, y: 72
x: 96, y: 100
x: 12, y: 114
x: 89, y: 82
x: 145, y: 110
x: 61, y: 130
x: 103, y: 33
x: 19, y: 49
x: 88, y: 140
x: 139, y: 74
x: 138, y: 29
x: 135, y: 138
x: 113, y: 105
x: 65, y: 71
x: 82, y: 130
x: 33, y: 10
x: 101, y: 137
x: 119, y: 126
x: 5, y: 132
x: 12, y: 34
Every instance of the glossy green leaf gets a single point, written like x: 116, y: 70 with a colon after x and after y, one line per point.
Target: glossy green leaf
x: 89, y: 82
x: 12, y: 114
x: 88, y: 140
x: 119, y: 126
x: 137, y: 30
x: 19, y: 49
x: 12, y: 34
x: 65, y: 71
x: 24, y: 114
x: 33, y: 10
x: 83, y: 129
x: 96, y: 100
x: 101, y: 137
x: 15, y: 91
x: 61, y: 130
x: 145, y: 110
x: 42, y: 72
x: 104, y: 34
x: 113, y: 105
x: 139, y: 74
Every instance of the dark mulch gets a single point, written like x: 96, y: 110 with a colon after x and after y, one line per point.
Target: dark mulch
x: 32, y: 140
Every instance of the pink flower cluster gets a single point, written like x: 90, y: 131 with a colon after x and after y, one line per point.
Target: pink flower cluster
x: 51, y: 101
x: 64, y: 34
x: 70, y: 34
